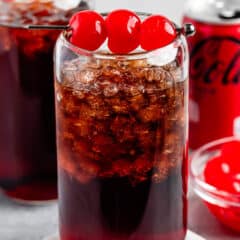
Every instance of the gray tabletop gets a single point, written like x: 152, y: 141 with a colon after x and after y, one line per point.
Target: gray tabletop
x: 21, y: 222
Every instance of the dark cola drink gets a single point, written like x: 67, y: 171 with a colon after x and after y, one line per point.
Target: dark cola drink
x: 214, y: 71
x: 122, y: 135
x: 27, y: 122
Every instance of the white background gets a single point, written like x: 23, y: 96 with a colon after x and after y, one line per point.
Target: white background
x: 170, y: 8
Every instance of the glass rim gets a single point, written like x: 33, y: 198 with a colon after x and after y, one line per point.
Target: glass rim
x: 206, y: 191
x: 109, y: 55
x: 130, y: 56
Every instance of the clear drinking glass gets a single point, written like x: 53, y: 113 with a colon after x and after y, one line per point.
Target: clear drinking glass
x: 122, y: 142
x: 27, y: 123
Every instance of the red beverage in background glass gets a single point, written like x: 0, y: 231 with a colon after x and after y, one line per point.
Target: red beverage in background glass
x: 122, y: 143
x: 27, y: 122
x: 214, y: 70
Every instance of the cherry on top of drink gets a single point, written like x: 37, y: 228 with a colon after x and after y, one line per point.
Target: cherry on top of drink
x: 223, y: 172
x: 123, y: 29
x: 156, y: 31
x: 88, y: 30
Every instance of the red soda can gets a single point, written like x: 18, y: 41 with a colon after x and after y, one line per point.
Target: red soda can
x: 214, y: 106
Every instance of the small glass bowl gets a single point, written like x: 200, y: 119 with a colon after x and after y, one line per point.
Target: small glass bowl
x: 224, y: 205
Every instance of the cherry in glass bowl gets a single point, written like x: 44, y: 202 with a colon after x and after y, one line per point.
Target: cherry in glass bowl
x: 215, y: 173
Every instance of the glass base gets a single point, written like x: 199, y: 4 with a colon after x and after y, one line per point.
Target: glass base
x: 35, y: 193
x: 30, y: 202
x: 190, y: 236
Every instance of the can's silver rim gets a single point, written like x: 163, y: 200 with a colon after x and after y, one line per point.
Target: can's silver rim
x: 219, y: 12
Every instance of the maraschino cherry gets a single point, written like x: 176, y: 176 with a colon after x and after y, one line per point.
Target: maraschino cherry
x: 156, y: 32
x: 88, y: 30
x: 123, y: 27
x: 223, y: 172
x: 124, y: 31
